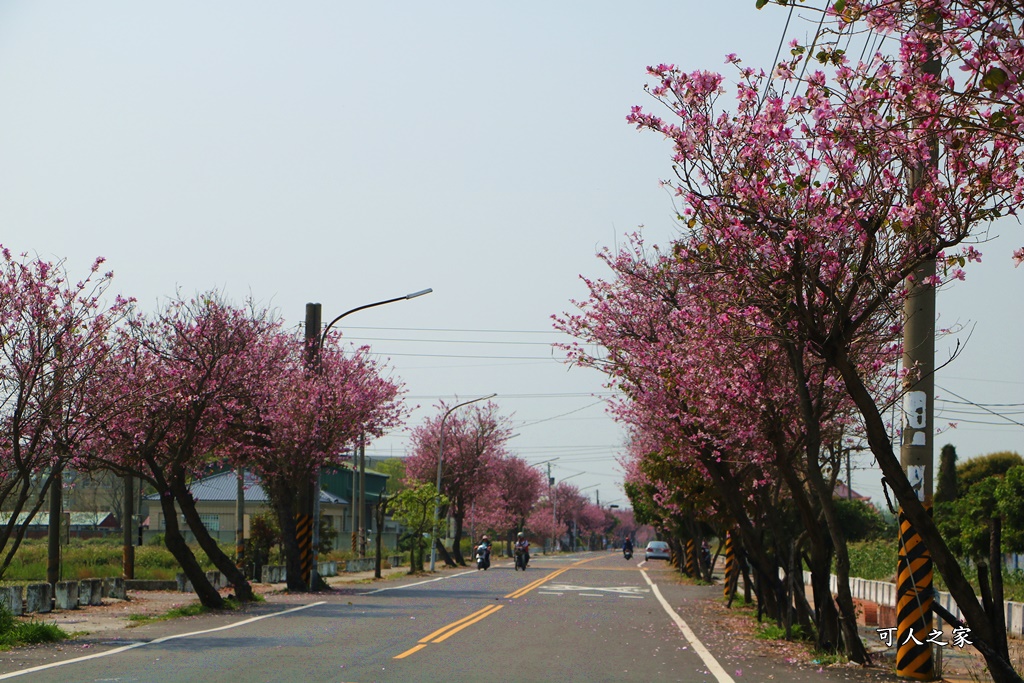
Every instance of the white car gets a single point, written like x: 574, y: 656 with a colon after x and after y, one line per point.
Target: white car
x: 657, y: 550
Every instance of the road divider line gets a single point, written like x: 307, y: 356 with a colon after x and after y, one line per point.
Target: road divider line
x: 447, y: 631
x: 489, y: 612
x: 410, y: 651
x: 709, y: 659
x: 156, y: 641
x: 541, y: 581
x: 441, y: 630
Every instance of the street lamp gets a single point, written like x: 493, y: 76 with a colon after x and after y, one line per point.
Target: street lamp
x: 554, y: 510
x: 315, y: 341
x: 440, y: 460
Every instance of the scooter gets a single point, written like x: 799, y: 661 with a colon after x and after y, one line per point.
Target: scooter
x: 521, y: 559
x: 628, y: 554
x: 483, y: 557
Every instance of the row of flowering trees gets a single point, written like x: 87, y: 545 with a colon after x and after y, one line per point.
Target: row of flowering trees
x: 490, y: 489
x: 164, y: 397
x: 768, y: 331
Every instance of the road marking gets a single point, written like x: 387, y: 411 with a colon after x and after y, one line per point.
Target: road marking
x: 530, y: 586
x: 418, y: 583
x: 709, y: 660
x: 410, y: 651
x: 156, y: 641
x: 448, y: 635
x: 628, y: 590
x: 591, y: 595
x: 451, y: 629
x: 447, y: 631
x: 632, y: 597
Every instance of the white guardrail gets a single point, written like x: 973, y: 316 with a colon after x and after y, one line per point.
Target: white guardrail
x: 884, y: 593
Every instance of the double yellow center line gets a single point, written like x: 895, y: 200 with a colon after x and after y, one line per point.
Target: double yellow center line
x: 445, y: 632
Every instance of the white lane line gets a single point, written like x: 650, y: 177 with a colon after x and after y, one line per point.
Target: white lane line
x: 632, y: 597
x: 155, y: 642
x: 419, y: 583
x: 709, y: 660
x: 591, y: 595
x: 547, y: 593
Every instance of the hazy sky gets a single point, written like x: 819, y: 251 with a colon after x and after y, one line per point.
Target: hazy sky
x: 347, y: 153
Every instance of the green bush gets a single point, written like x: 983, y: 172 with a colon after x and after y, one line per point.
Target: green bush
x: 14, y: 633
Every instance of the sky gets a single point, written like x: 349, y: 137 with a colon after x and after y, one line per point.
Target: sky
x: 348, y: 153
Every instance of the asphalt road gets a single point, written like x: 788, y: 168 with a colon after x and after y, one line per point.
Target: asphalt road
x: 587, y: 617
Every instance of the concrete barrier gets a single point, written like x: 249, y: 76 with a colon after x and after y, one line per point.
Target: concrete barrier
x: 38, y: 598
x: 90, y: 592
x: 364, y: 564
x: 114, y: 587
x: 150, y: 585
x: 10, y: 597
x: 66, y: 595
x: 183, y: 585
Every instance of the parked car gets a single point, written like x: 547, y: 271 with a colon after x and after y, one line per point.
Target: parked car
x: 656, y: 550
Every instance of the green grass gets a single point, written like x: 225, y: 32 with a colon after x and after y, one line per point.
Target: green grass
x: 98, y: 558
x: 191, y: 610
x: 14, y: 633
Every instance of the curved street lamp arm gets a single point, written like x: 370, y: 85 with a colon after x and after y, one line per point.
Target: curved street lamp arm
x: 437, y: 494
x: 323, y: 337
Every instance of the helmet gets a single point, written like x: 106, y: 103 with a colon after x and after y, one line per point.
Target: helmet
x: 484, y: 538
x: 521, y: 534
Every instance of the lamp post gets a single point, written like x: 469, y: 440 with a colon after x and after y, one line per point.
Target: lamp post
x: 440, y: 460
x: 315, y: 341
x: 554, y: 509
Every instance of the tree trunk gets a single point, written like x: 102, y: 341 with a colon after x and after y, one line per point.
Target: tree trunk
x: 995, y: 558
x: 957, y: 584
x: 177, y: 546
x: 243, y: 591
x: 443, y: 553
x: 457, y: 541
x: 292, y: 553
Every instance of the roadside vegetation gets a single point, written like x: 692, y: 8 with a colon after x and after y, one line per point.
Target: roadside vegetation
x: 14, y: 633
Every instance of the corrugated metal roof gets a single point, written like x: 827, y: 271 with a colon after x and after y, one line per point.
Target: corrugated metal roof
x: 224, y: 487
x: 43, y: 518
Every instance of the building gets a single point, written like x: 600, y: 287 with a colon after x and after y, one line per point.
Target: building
x: 216, y: 498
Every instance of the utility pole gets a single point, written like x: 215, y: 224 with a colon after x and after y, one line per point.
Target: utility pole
x: 240, y: 520
x: 362, y: 496
x: 306, y: 530
x: 128, y: 513
x: 554, y: 510
x: 54, y: 528
x: 914, y: 573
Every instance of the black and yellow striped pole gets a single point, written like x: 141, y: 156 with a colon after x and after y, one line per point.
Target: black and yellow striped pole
x: 691, y: 549
x: 304, y: 536
x: 728, y: 585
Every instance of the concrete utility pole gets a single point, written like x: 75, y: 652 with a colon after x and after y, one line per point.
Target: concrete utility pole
x: 914, y: 573
x: 53, y: 529
x: 240, y: 519
x: 306, y: 528
x: 362, y: 497
x: 126, y: 524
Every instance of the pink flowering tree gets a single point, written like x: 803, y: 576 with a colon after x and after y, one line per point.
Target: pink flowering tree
x: 306, y: 416
x: 519, y: 485
x: 55, y: 335
x: 475, y: 441
x: 800, y: 197
x: 183, y: 383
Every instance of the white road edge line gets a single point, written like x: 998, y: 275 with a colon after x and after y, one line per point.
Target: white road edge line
x: 709, y: 660
x: 155, y: 642
x: 419, y: 583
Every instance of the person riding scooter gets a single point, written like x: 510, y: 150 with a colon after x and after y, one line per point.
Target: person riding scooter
x: 483, y: 553
x: 627, y: 549
x: 522, y: 550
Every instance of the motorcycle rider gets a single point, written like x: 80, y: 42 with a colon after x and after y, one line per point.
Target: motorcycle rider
x: 485, y: 547
x: 523, y: 546
x: 627, y: 547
